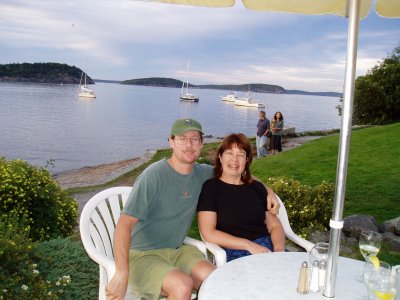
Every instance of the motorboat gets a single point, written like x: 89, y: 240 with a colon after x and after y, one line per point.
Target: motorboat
x: 231, y: 97
x: 185, y: 95
x: 83, y: 90
x: 248, y: 101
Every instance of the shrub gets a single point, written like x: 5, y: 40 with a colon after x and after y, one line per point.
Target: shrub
x: 31, y: 195
x: 21, y: 276
x: 308, y: 208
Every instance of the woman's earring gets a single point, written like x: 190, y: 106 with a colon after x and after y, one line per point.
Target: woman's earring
x: 244, y: 173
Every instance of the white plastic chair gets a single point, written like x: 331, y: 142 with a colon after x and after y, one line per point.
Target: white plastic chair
x: 220, y: 255
x: 98, y: 220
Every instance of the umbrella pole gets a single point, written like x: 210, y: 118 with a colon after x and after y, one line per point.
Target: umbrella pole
x: 336, y: 223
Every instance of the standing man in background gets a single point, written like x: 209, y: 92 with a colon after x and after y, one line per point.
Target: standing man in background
x: 262, y: 132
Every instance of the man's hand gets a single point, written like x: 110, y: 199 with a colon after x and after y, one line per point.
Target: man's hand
x: 116, y: 288
x: 272, y: 202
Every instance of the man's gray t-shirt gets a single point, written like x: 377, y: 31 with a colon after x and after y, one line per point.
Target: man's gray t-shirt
x: 165, y: 202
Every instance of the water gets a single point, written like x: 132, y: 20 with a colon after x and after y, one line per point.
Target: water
x: 39, y: 122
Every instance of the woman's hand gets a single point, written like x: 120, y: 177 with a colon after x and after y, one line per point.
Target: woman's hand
x: 255, y: 248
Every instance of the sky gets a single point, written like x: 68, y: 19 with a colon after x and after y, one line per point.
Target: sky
x: 128, y: 39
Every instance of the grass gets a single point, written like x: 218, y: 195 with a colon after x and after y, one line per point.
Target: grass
x: 372, y: 175
x: 372, y: 182
x: 67, y: 257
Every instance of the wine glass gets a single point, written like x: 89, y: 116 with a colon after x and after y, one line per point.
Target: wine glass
x: 381, y: 286
x: 369, y: 243
x: 370, y: 269
x: 319, y: 252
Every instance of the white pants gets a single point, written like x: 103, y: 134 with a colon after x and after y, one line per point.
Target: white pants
x: 260, y: 143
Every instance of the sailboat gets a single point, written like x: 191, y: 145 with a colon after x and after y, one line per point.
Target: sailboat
x: 185, y: 95
x: 84, y: 91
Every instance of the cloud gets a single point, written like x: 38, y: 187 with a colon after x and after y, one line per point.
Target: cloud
x: 127, y: 39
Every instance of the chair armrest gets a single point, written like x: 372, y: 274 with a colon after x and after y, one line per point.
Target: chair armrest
x: 198, y: 244
x: 218, y: 252
x: 105, y: 262
x: 307, y: 245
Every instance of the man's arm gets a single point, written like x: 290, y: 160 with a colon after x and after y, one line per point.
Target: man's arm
x: 273, y: 204
x: 268, y: 128
x: 116, y: 288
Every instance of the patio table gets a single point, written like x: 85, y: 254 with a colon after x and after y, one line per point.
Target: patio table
x: 271, y: 276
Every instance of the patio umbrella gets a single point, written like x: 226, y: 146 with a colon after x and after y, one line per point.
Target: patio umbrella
x: 354, y: 10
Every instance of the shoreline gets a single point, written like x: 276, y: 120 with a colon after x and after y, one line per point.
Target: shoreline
x: 100, y: 174
x: 103, y: 173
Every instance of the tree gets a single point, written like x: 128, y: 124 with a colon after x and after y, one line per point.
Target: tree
x: 377, y: 94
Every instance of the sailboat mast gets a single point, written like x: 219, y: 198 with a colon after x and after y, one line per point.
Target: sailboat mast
x: 85, y: 71
x: 187, y: 76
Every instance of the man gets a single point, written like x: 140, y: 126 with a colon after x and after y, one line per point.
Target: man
x: 262, y: 134
x: 148, y: 242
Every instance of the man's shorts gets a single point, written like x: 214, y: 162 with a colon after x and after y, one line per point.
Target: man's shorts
x: 148, y: 268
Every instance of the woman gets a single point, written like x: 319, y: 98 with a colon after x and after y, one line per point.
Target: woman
x: 232, y: 208
x: 276, y: 129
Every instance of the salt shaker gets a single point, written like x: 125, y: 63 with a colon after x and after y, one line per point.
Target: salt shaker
x: 321, y: 274
x: 302, y: 287
x: 314, y: 281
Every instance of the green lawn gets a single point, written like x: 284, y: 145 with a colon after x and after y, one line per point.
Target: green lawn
x: 373, y: 169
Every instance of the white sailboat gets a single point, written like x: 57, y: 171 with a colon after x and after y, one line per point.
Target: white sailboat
x: 185, y: 95
x: 83, y: 90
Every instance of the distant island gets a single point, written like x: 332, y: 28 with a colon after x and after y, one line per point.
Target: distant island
x: 64, y: 74
x: 42, y: 73
x: 253, y: 87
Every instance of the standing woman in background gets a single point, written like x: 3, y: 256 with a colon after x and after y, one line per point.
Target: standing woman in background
x: 277, y: 120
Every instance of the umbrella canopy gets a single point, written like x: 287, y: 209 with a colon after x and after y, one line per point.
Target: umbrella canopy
x: 384, y: 8
x: 354, y: 10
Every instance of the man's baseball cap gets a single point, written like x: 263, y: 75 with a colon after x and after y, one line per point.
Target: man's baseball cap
x: 184, y: 125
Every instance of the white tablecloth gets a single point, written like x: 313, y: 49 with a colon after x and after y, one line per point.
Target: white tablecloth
x: 275, y: 276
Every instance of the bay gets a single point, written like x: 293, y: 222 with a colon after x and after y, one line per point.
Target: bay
x: 42, y: 122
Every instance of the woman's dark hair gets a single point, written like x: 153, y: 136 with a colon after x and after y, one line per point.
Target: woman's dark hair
x: 243, y: 143
x: 276, y: 118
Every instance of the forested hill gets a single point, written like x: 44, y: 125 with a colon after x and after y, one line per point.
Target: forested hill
x: 253, y: 87
x: 42, y: 73
x: 170, y: 82
x: 155, y: 81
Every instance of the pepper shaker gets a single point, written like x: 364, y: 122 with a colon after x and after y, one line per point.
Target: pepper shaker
x: 302, y: 287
